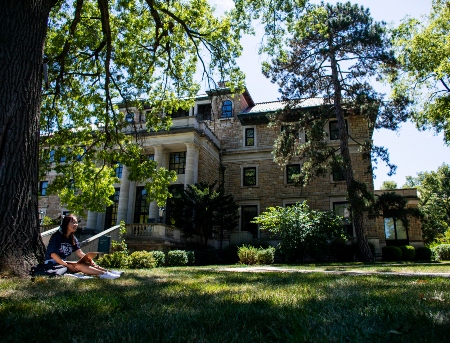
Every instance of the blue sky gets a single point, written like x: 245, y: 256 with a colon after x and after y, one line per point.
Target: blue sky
x: 412, y: 151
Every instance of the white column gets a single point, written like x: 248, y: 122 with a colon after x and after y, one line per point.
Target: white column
x: 191, y: 170
x: 131, y: 200
x: 123, y: 196
x: 91, y: 222
x: 153, y: 211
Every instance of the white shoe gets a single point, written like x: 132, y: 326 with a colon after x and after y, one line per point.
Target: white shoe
x: 108, y: 275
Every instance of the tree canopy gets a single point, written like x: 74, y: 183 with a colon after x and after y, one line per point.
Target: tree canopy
x: 388, y: 185
x: 333, y: 52
x: 104, y: 55
x: 434, y: 204
x: 92, y: 57
x: 423, y: 49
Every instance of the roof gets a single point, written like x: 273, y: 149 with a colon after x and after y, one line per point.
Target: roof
x: 258, y: 112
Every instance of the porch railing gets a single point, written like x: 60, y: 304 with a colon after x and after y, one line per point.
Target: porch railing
x: 152, y: 230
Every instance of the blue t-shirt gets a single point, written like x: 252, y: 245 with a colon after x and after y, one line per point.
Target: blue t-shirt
x: 61, y: 245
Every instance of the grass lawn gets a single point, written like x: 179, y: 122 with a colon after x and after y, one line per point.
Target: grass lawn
x: 207, y: 305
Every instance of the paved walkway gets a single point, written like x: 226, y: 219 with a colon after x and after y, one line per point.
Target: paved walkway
x: 264, y: 269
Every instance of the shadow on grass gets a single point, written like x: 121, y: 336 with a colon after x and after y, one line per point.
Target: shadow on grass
x: 188, y: 305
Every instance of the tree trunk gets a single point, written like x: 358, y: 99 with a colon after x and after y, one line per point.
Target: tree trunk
x: 23, y: 25
x: 364, y: 251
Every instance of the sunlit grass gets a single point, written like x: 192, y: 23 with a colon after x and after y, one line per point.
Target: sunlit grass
x: 209, y: 305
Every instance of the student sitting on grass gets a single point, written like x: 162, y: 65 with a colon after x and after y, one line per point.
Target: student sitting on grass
x: 63, y: 242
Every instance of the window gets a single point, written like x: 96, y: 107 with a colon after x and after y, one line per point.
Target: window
x: 338, y: 174
x: 227, y: 109
x: 43, y: 188
x: 204, y: 111
x: 180, y: 113
x: 151, y: 157
x: 129, y: 117
x: 342, y: 209
x: 249, y: 136
x: 52, y: 156
x: 119, y: 170
x: 291, y: 170
x: 141, y: 206
x: 111, y: 211
x: 249, y: 176
x: 334, y: 130
x: 395, y: 232
x: 177, y: 162
x: 248, y: 213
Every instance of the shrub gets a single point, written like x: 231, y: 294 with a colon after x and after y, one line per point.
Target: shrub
x: 141, y: 259
x: 118, y: 259
x: 159, y: 257
x: 191, y: 257
x: 265, y: 256
x: 177, y: 258
x: 391, y: 253
x: 229, y: 254
x: 408, y: 252
x: 423, y: 254
x: 247, y: 254
x: 441, y: 252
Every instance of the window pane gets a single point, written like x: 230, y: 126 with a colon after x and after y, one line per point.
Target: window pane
x: 401, y: 230
x: 141, y: 206
x: 249, y: 137
x: 292, y: 169
x: 111, y: 211
x: 227, y: 107
x: 389, y: 228
x: 250, y: 176
x: 177, y: 162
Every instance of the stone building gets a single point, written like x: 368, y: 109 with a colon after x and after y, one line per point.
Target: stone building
x: 225, y: 138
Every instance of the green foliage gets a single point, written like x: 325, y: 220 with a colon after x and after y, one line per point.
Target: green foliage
x: 265, y: 256
x: 118, y: 259
x: 129, y: 51
x: 423, y: 254
x: 159, y: 257
x: 302, y: 231
x: 200, y: 208
x: 121, y: 244
x: 441, y: 252
x: 248, y: 254
x: 48, y: 221
x: 141, y: 259
x: 191, y: 257
x: 334, y: 52
x: 391, y: 253
x: 388, y: 185
x: 423, y: 49
x: 177, y: 258
x: 434, y: 204
x: 408, y: 252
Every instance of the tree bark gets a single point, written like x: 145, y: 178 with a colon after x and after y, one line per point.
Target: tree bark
x: 365, y: 254
x: 23, y: 25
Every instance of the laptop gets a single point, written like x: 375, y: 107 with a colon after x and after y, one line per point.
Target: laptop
x: 89, y: 256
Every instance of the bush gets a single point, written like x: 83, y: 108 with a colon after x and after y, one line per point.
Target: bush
x: 441, y: 252
x: 159, y: 257
x: 191, y: 257
x: 177, y: 258
x: 118, y: 259
x: 423, y: 254
x: 229, y: 255
x: 391, y: 253
x: 408, y: 252
x: 265, y: 256
x: 247, y: 254
x: 141, y: 259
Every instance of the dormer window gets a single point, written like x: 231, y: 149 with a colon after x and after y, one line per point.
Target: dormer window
x: 227, y: 109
